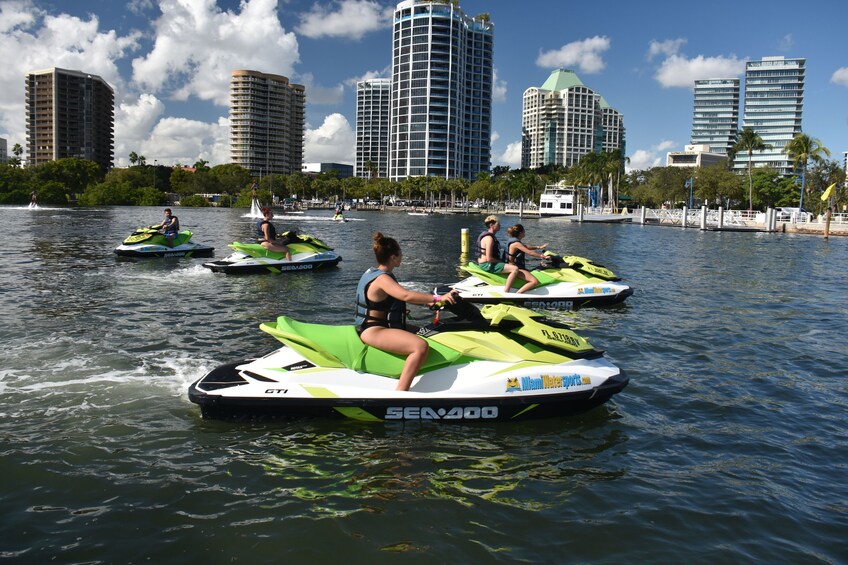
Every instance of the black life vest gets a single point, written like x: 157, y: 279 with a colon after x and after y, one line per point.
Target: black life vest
x: 496, y: 251
x: 272, y: 231
x: 395, y: 309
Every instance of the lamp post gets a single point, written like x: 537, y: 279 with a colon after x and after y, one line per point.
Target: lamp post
x: 154, y: 173
x: 801, y: 204
x: 689, y: 184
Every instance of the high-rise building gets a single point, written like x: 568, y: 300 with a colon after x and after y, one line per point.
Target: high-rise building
x: 441, y: 99
x: 716, y: 116
x: 4, y: 155
x: 774, y: 103
x: 69, y: 114
x: 563, y: 120
x: 372, y: 127
x: 266, y: 123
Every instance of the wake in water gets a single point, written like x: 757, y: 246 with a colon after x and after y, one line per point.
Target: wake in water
x: 255, y: 210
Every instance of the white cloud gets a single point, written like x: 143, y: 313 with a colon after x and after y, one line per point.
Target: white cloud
x: 787, y: 43
x: 655, y: 156
x: 182, y: 141
x: 668, y: 47
x: 352, y: 19
x: 39, y: 41
x: 677, y: 70
x: 643, y: 159
x: 840, y: 76
x: 198, y: 46
x: 333, y: 142
x: 511, y: 157
x: 585, y: 55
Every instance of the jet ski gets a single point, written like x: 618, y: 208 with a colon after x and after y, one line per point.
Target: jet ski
x: 565, y: 283
x: 150, y: 242
x: 499, y: 362
x: 307, y: 254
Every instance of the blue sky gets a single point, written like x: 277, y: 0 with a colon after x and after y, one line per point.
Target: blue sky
x: 169, y: 62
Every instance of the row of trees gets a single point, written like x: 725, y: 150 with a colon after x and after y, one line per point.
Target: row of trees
x: 66, y: 180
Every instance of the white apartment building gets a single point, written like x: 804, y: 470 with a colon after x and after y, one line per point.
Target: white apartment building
x: 774, y: 103
x: 372, y: 127
x: 267, y: 123
x: 697, y: 155
x: 441, y: 91
x: 716, y: 114
x: 563, y: 120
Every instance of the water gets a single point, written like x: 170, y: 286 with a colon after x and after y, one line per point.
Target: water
x: 728, y: 444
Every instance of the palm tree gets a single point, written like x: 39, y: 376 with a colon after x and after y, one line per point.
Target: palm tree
x: 17, y: 151
x: 133, y: 158
x: 803, y: 149
x: 749, y: 141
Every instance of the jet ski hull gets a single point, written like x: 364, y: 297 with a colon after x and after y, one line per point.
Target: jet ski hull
x: 238, y: 263
x: 146, y: 250
x: 479, y: 383
x: 560, y: 296
x: 573, y: 282
x: 276, y: 404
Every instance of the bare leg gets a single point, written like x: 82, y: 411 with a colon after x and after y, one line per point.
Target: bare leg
x: 403, y: 343
x: 532, y: 281
x: 510, y: 279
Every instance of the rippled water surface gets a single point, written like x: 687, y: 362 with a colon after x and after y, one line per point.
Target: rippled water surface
x: 729, y: 444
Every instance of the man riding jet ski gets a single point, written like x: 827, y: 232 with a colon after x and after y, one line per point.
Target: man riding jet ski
x: 565, y: 283
x: 499, y: 363
x: 150, y: 242
x: 307, y: 253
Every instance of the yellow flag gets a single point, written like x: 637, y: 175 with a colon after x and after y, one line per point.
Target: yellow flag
x: 828, y: 192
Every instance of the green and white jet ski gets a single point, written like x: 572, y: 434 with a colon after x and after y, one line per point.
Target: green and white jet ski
x: 150, y: 242
x: 307, y: 254
x: 499, y: 363
x: 565, y: 283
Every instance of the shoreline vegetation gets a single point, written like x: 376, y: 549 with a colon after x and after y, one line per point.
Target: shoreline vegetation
x: 73, y: 181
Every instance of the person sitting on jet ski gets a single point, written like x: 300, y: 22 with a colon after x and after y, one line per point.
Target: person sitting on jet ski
x: 268, y: 234
x: 381, y: 310
x: 489, y: 258
x: 170, y: 227
x: 516, y: 251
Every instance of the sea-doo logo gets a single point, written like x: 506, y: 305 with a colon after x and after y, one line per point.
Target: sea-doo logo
x: 454, y: 413
x: 305, y: 267
x: 554, y: 304
x: 179, y: 254
x: 561, y: 337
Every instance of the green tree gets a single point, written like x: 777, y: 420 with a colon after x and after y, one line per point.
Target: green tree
x: 17, y: 151
x: 718, y: 183
x: 231, y: 178
x: 802, y: 149
x: 75, y: 175
x: 133, y: 158
x: 821, y: 175
x: 749, y: 141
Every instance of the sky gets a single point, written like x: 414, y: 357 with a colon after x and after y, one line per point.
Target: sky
x: 169, y: 63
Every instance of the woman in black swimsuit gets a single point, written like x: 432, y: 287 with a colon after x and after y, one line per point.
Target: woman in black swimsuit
x: 381, y: 310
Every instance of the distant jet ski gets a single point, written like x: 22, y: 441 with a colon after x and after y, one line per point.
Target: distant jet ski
x: 565, y: 283
x: 308, y: 254
x: 150, y: 242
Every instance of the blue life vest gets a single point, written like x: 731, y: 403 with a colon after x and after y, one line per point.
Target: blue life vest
x: 395, y: 309
x: 496, y: 252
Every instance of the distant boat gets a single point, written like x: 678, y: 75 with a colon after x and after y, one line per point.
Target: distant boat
x: 558, y: 200
x: 419, y: 213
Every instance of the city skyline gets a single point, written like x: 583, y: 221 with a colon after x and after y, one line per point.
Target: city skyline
x: 169, y: 63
